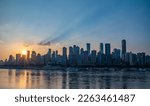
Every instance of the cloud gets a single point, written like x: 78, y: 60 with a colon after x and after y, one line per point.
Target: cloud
x: 45, y: 43
x: 77, y: 24
x: 27, y: 44
x: 86, y: 21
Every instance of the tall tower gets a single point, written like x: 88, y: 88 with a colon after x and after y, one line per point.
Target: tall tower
x: 107, y: 49
x: 33, y: 56
x: 64, y: 51
x: 123, y: 46
x: 88, y: 48
x: 107, y: 54
x: 28, y: 55
x: 49, y: 53
x: 123, y: 49
x: 101, y: 48
x: 64, y: 56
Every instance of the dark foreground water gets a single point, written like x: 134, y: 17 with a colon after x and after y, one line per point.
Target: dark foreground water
x: 74, y: 78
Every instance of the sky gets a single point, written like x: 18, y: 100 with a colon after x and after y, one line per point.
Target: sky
x: 42, y: 24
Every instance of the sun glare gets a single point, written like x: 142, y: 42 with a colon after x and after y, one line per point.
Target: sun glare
x: 24, y: 52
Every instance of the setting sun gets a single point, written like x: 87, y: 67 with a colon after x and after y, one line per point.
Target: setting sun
x: 24, y: 52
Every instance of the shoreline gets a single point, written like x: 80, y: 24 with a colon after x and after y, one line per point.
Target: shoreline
x: 70, y: 67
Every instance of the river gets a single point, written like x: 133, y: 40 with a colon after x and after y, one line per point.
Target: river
x: 74, y: 78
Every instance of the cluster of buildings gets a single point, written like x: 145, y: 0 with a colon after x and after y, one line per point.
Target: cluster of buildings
x: 77, y: 56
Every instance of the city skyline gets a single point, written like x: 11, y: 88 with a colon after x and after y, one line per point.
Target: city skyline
x: 39, y: 25
x: 77, y: 56
x: 100, y: 47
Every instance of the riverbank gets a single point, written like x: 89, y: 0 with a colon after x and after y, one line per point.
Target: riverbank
x: 75, y: 67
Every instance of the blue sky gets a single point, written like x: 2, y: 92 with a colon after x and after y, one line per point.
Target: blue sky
x: 68, y: 22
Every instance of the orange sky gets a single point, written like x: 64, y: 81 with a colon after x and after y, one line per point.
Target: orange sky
x: 15, y: 48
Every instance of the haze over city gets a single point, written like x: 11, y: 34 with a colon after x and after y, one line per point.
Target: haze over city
x: 42, y: 24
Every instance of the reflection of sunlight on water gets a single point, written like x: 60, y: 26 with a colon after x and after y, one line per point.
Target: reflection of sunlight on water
x: 90, y: 79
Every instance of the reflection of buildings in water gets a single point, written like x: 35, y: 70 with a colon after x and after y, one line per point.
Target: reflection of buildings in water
x: 84, y: 80
x: 124, y: 80
x: 38, y: 79
x: 69, y: 79
x: 93, y: 80
x: 12, y: 78
x: 22, y: 79
x: 73, y: 80
x: 8, y: 78
x: 108, y: 82
x: 56, y: 80
x: 89, y: 80
x: 65, y: 80
x: 142, y: 80
x: 104, y: 80
x: 4, y: 78
x: 133, y: 79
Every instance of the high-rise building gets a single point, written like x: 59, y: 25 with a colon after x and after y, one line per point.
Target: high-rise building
x: 70, y: 50
x: 11, y: 59
x: 28, y: 55
x: 39, y: 59
x: 49, y: 54
x: 85, y: 60
x: 18, y: 58
x: 147, y: 60
x: 75, y: 55
x: 48, y: 57
x: 100, y: 58
x: 82, y: 50
x: 107, y: 54
x: 116, y: 56
x: 53, y: 57
x: 127, y: 58
x: 88, y: 48
x: 76, y: 50
x: 123, y: 46
x: 107, y: 48
x: 64, y: 53
x: 141, y: 58
x: 123, y: 49
x: 70, y: 55
x: 64, y: 56
x: 33, y: 56
x: 93, y: 57
x: 101, y: 48
x: 132, y: 58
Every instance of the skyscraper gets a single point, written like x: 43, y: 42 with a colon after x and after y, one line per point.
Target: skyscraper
x: 64, y: 56
x: 107, y: 53
x: 116, y: 56
x: 107, y: 48
x: 101, y: 48
x: 18, y: 58
x: 33, y: 56
x: 123, y: 46
x: 64, y: 51
x: 88, y: 48
x: 123, y: 49
x: 70, y: 50
x: 53, y: 57
x: 28, y: 55
x: 82, y: 50
x: 70, y: 55
x: 49, y: 53
x: 93, y: 57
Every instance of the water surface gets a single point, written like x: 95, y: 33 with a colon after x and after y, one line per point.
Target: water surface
x: 74, y: 78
